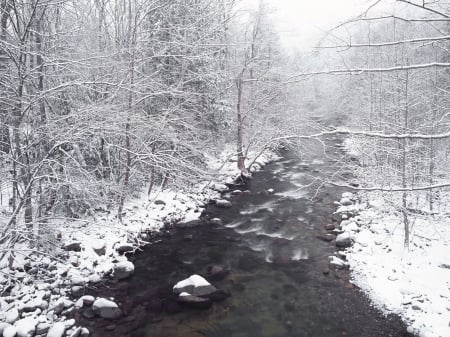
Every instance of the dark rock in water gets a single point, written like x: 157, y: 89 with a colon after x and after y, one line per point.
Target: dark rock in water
x: 194, y: 301
x: 218, y: 296
x: 88, y: 313
x: 77, y: 291
x: 325, y: 237
x: 330, y: 227
x: 216, y: 273
x: 172, y: 307
x: 73, y: 247
x: 159, y: 202
x: 123, y: 270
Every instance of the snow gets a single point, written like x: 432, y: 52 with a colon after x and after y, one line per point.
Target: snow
x: 101, y: 231
x: 413, y: 283
x: 194, y: 280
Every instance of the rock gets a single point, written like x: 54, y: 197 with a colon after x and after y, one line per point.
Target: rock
x: 325, y: 237
x: 337, y: 263
x: 73, y: 247
x: 10, y: 331
x: 76, y: 332
x: 95, y: 278
x: 236, y: 192
x: 3, y: 326
x: 77, y: 291
x: 26, y: 327
x: 223, y: 203
x: 99, y: 248
x: 12, y: 316
x: 84, y: 332
x: 159, y: 202
x: 57, y: 330
x: 85, y: 301
x: 330, y: 227
x: 106, y: 308
x: 88, y: 313
x: 218, y: 296
x: 343, y: 240
x: 123, y: 248
x: 69, y: 323
x: 123, y: 270
x: 216, y: 273
x: 194, y: 285
x: 194, y: 301
x: 42, y: 328
x: 216, y: 221
x: 345, y: 202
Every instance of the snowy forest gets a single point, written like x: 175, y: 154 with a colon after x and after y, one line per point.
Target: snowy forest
x: 174, y: 168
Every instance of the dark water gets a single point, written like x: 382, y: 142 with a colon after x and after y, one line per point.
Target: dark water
x: 279, y: 280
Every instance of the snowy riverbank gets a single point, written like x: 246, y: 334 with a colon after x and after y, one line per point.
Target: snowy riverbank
x: 414, y: 283
x: 91, y: 249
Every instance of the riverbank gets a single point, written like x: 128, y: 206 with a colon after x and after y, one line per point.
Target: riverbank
x: 413, y: 283
x: 39, y: 290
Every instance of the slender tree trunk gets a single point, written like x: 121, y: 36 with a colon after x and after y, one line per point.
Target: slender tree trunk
x: 240, y: 149
x: 405, y: 164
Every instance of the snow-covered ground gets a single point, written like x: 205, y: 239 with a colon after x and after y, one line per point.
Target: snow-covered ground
x: 414, y: 282
x: 93, y: 250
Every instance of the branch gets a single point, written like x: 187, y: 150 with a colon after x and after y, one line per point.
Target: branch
x: 432, y: 10
x: 359, y: 71
x: 393, y: 43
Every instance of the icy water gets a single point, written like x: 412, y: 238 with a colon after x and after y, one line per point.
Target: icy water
x: 279, y: 279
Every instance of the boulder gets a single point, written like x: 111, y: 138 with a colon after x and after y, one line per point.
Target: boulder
x: 123, y: 270
x: 123, y: 248
x: 325, y: 237
x: 99, y: 248
x: 73, y: 247
x: 194, y: 285
x: 216, y: 272
x: 344, y: 240
x: 215, y: 221
x: 12, y: 316
x: 194, y: 301
x: 26, y: 327
x: 42, y: 328
x: 106, y: 308
x: 223, y: 203
x: 57, y: 330
x: 345, y: 202
x: 330, y: 227
x: 3, y: 326
x: 10, y: 331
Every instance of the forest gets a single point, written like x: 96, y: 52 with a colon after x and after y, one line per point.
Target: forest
x: 122, y: 118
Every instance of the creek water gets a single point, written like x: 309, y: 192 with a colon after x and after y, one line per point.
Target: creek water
x: 279, y: 277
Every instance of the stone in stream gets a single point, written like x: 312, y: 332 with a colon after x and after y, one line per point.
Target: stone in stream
x: 194, y: 285
x: 3, y: 326
x: 330, y: 227
x: 123, y: 248
x: 123, y: 270
x: 325, y: 237
x: 222, y: 203
x: 12, y: 316
x: 194, y: 301
x: 106, y: 308
x: 215, y: 221
x: 343, y: 240
x: 216, y: 272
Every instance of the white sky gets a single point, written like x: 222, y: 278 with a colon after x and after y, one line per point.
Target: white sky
x: 302, y: 22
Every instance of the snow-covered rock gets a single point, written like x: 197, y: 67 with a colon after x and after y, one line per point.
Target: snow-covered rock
x: 123, y: 270
x: 194, y: 285
x: 223, y: 203
x: 10, y: 331
x: 344, y: 240
x: 57, y: 330
x: 12, y: 316
x: 3, y: 326
x: 106, y: 308
x: 26, y: 327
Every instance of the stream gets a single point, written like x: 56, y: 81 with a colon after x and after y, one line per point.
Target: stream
x: 279, y: 277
